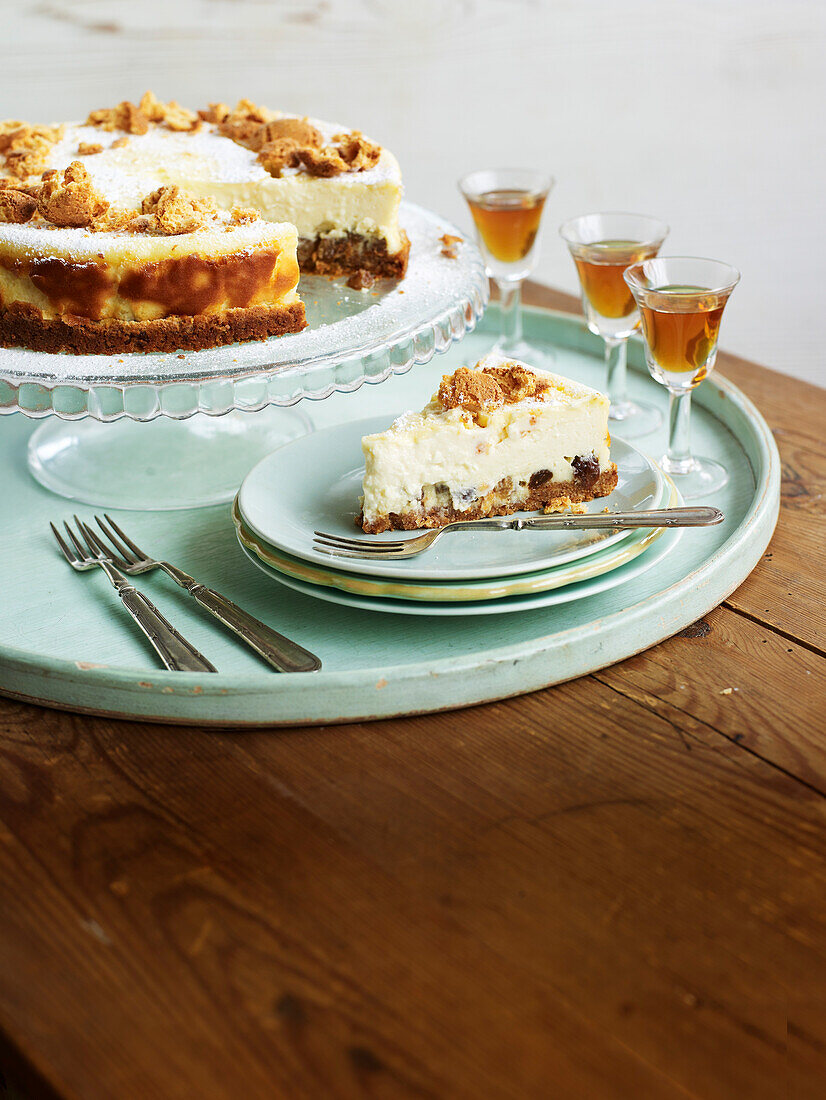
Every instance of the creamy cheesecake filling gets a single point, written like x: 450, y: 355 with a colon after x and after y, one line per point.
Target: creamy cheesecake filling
x: 439, y: 447
x: 108, y: 275
x: 208, y: 165
x: 454, y: 461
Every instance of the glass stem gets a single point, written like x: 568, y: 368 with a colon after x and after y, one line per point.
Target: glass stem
x: 510, y: 296
x: 616, y: 366
x: 678, y: 458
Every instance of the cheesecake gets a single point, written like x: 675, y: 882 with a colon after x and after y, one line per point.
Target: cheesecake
x: 187, y: 276
x: 501, y: 437
x: 153, y: 227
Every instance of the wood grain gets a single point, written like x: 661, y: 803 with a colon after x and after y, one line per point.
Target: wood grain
x: 611, y: 888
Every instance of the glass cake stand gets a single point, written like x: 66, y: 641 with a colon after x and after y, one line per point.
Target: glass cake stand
x: 166, y: 430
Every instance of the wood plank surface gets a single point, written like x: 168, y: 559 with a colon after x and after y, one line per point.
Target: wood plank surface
x: 611, y: 888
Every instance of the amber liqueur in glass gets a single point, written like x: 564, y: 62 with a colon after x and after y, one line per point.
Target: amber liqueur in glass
x: 601, y: 266
x: 508, y: 221
x: 681, y: 325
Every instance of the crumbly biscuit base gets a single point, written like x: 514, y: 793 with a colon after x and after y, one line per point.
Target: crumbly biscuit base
x: 81, y: 336
x: 346, y: 255
x: 554, y: 496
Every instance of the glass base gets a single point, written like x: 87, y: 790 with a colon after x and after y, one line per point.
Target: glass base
x: 542, y: 357
x: 631, y: 419
x: 160, y: 465
x: 696, y: 477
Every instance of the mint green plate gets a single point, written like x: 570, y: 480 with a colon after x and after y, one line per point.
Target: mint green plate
x: 489, y: 596
x: 634, y: 567
x: 64, y: 640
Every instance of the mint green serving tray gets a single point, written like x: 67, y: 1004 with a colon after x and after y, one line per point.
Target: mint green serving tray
x: 65, y: 641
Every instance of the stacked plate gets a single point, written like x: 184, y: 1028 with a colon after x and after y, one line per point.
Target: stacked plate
x: 313, y: 484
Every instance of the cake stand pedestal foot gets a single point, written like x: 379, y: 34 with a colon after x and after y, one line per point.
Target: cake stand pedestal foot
x: 159, y: 465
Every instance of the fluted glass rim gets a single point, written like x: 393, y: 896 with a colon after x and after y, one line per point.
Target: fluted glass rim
x: 637, y: 275
x: 657, y: 237
x: 544, y: 186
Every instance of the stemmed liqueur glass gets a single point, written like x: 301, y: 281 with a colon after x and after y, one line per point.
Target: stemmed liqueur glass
x: 602, y: 247
x: 506, y: 206
x: 681, y: 301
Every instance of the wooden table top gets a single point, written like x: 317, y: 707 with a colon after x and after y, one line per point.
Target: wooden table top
x: 611, y: 888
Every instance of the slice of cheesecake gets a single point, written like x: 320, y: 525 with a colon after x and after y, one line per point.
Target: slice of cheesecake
x: 497, y: 439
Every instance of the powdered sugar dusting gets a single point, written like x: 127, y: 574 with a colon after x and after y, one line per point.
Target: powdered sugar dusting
x: 83, y: 246
x: 126, y: 172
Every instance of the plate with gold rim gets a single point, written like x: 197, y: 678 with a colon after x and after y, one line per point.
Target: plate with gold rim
x: 314, y: 578
x: 314, y: 483
x: 579, y: 590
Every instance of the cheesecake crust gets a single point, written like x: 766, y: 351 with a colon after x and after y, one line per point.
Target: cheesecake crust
x: 23, y: 327
x: 351, y: 253
x: 552, y: 496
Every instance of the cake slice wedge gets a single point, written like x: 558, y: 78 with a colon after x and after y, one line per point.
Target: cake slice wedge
x: 499, y: 438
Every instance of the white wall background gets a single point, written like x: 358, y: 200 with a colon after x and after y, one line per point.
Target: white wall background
x: 707, y: 113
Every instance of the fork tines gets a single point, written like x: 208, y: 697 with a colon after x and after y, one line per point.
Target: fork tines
x: 122, y: 557
x: 354, y: 548
x: 84, y: 552
x: 67, y: 553
x: 92, y: 551
x: 139, y: 555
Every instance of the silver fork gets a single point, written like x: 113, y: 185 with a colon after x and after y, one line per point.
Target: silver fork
x: 337, y: 547
x: 174, y: 650
x: 279, y: 652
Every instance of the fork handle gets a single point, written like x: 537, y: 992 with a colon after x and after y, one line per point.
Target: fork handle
x: 281, y: 653
x: 692, y: 516
x: 177, y: 654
